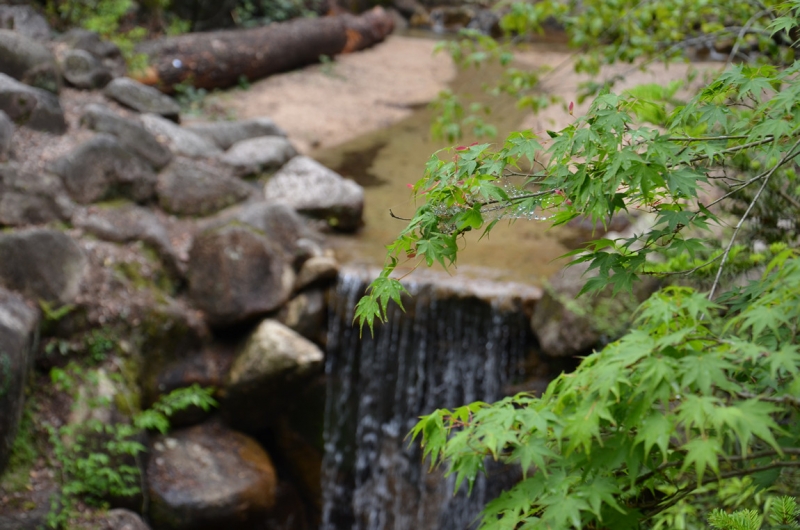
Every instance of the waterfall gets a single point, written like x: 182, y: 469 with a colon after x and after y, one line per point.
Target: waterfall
x: 452, y: 346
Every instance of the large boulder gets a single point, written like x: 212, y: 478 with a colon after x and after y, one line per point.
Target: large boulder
x: 30, y: 106
x: 18, y: 325
x: 101, y: 169
x: 81, y: 69
x: 191, y: 187
x: 41, y: 264
x: 250, y: 157
x: 127, y: 222
x: 25, y: 20
x: 278, y: 222
x: 316, y: 191
x: 31, y: 198
x: 29, y: 61
x: 142, y: 98
x: 130, y: 133
x: 208, y: 477
x: 236, y: 274
x: 226, y: 133
x: 273, y: 361
x: 180, y: 141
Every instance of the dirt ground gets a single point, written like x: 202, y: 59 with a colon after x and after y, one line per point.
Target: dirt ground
x: 329, y: 103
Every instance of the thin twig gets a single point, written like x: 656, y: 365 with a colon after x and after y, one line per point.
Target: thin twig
x: 740, y: 37
x: 788, y: 156
x: 391, y: 213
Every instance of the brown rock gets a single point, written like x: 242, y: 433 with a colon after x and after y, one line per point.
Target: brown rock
x: 237, y: 274
x: 208, y: 477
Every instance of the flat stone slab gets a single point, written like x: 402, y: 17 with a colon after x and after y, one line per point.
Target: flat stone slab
x: 142, y: 98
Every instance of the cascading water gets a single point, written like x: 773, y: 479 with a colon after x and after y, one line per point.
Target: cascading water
x: 449, y: 348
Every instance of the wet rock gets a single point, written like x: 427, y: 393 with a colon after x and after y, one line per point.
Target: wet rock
x: 273, y: 361
x: 24, y: 20
x: 28, y: 61
x: 46, y: 265
x: 189, y: 187
x: 18, y: 324
x: 81, y: 69
x: 250, y: 157
x: 101, y: 169
x: 142, y: 98
x: 32, y: 515
x: 6, y: 134
x: 318, y: 269
x: 224, y: 134
x: 180, y: 141
x: 278, y: 222
x: 316, y: 191
x: 31, y: 107
x: 122, y: 519
x: 567, y: 326
x: 237, y: 274
x: 105, y: 51
x: 126, y: 223
x: 29, y: 199
x: 208, y: 477
x: 299, y: 439
x: 130, y: 133
x: 306, y: 314
x: 290, y: 512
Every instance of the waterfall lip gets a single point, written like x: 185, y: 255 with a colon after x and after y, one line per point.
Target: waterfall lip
x: 504, y: 296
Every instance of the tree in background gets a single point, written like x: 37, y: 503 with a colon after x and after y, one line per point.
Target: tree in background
x: 696, y: 407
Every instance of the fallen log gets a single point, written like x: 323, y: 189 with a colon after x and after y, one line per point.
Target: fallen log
x: 219, y: 59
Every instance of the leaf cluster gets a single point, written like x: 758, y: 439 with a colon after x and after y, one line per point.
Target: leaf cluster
x: 698, y: 394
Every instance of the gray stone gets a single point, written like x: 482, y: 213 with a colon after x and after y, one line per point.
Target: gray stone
x: 18, y: 324
x: 31, y: 107
x: 179, y: 140
x: 81, y: 69
x: 27, y: 198
x: 316, y: 191
x: 125, y: 223
x: 24, y: 20
x: 28, y: 61
x: 101, y: 168
x: 191, y: 187
x: 306, y: 314
x: 317, y: 269
x: 273, y: 361
x: 237, y: 274
x: 226, y: 133
x: 209, y: 477
x: 130, y: 133
x: 121, y: 519
x: 6, y: 134
x: 142, y: 98
x: 278, y: 222
x: 103, y: 50
x: 250, y: 157
x: 42, y: 264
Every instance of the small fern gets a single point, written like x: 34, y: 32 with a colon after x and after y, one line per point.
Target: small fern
x: 783, y: 514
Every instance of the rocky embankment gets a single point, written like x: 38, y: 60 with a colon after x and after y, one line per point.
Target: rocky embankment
x: 164, y: 255
x: 195, y: 251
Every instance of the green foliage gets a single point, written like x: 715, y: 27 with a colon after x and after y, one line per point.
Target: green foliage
x: 783, y: 514
x: 261, y: 12
x: 696, y: 395
x: 97, y: 459
x: 696, y: 406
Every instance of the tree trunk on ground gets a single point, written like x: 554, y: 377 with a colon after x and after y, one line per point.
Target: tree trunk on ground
x: 220, y: 59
